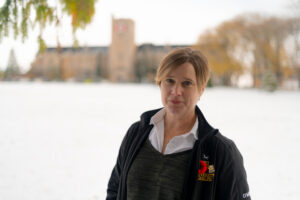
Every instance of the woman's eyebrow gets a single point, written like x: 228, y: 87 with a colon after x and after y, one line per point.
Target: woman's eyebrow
x: 188, y: 79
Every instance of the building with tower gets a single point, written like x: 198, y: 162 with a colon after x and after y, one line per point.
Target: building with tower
x: 122, y: 61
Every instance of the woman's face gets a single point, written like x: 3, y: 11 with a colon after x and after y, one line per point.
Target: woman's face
x: 179, y: 91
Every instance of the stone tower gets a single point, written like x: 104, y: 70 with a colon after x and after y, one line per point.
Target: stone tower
x: 122, y: 51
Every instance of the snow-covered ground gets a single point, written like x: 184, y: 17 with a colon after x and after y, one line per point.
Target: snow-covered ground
x: 60, y: 141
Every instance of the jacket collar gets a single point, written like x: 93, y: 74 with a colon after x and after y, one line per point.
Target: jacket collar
x: 203, y: 126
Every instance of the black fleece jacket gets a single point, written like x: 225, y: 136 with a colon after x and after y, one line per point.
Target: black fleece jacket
x: 216, y: 170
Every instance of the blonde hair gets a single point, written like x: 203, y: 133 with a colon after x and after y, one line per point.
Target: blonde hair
x: 180, y: 56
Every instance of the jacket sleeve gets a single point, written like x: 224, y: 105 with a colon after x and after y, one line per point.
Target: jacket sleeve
x: 114, y: 181
x: 231, y: 181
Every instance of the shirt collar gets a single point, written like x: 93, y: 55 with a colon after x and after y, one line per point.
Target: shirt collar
x: 159, y: 116
x: 155, y: 119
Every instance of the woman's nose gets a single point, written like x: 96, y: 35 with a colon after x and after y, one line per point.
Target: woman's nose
x: 177, y: 90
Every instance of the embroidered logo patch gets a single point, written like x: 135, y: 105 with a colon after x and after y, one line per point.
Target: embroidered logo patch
x: 206, y: 171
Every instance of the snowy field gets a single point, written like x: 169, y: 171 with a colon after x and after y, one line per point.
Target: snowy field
x: 60, y: 141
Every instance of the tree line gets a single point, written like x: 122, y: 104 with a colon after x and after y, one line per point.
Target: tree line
x: 266, y: 47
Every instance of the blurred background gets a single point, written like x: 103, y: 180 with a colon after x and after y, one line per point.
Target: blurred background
x: 75, y: 74
x: 252, y: 44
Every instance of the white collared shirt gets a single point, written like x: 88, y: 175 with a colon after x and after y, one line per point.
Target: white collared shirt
x: 178, y: 143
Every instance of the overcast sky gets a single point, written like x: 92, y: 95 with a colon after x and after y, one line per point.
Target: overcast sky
x: 156, y: 21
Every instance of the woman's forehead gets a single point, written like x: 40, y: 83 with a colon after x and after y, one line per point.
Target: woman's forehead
x: 185, y: 70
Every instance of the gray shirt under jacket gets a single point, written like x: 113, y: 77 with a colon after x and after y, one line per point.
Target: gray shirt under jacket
x: 154, y: 176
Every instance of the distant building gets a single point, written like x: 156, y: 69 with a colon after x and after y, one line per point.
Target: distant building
x: 122, y: 61
x: 70, y: 64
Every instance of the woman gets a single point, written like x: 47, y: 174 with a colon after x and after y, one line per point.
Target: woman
x: 172, y: 152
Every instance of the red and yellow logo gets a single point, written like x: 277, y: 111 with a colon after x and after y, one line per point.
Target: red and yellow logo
x: 206, y: 171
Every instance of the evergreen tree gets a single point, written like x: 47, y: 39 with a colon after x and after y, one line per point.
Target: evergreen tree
x: 12, y: 71
x: 1, y: 74
x: 269, y: 81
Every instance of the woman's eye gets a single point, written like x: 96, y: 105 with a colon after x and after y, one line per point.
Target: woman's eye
x: 187, y: 83
x: 168, y: 80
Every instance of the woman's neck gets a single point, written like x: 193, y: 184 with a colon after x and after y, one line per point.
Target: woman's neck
x: 179, y: 125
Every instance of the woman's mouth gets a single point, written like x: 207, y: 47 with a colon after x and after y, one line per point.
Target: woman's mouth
x: 175, y: 101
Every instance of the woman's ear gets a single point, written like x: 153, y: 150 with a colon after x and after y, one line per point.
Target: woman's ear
x: 201, y: 92
x: 159, y: 85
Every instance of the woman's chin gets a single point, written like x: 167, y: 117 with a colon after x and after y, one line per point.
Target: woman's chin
x: 175, y: 109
